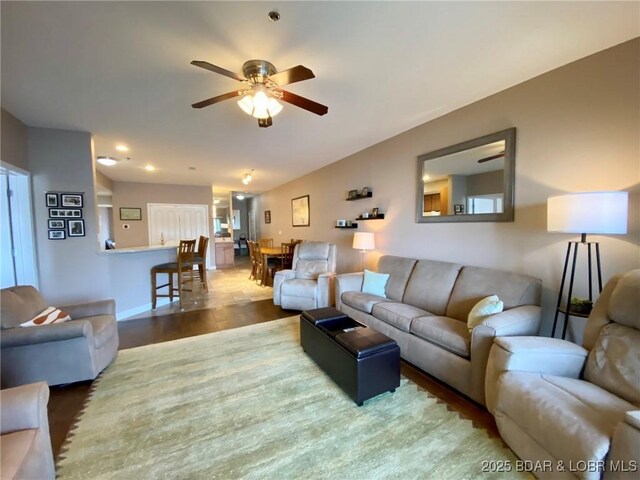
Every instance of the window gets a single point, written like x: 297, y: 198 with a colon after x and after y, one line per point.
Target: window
x: 485, y: 203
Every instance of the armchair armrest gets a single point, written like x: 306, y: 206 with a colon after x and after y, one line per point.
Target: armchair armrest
x: 625, y: 447
x: 280, y: 277
x: 90, y: 309
x: 544, y: 355
x: 326, y: 289
x: 19, y: 336
x: 522, y: 320
x: 24, y: 407
x: 347, y: 282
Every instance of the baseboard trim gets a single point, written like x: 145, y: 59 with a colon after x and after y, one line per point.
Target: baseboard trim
x: 120, y: 316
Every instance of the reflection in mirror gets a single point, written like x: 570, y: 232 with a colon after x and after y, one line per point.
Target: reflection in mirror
x: 471, y: 182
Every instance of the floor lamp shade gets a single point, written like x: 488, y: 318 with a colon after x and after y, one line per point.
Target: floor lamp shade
x: 363, y: 241
x: 590, y: 212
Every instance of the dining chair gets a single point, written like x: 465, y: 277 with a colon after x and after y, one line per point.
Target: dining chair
x: 286, y: 258
x: 266, y: 242
x: 183, y: 268
x: 200, y: 261
x: 257, y: 268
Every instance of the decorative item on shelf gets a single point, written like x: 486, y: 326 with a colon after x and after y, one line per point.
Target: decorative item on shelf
x: 583, y: 213
x: 346, y: 224
x: 364, y: 192
x: 341, y: 223
x: 162, y: 241
x: 581, y: 306
x: 375, y: 212
x: 365, y: 215
x: 364, y: 241
x: 353, y: 194
x: 358, y: 195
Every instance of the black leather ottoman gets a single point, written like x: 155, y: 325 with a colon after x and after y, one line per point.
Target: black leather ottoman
x: 362, y: 361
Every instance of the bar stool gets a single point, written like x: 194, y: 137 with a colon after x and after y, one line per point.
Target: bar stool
x: 200, y: 260
x: 183, y: 266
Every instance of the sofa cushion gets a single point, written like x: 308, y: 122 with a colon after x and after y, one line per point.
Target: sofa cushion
x: 483, y: 309
x: 299, y: 287
x: 613, y: 362
x: 430, y: 285
x: 571, y: 418
x: 361, y: 301
x: 399, y: 315
x: 399, y: 270
x: 19, y: 304
x: 104, y: 328
x: 475, y: 283
x: 47, y: 316
x: 16, y: 447
x: 448, y: 333
x: 624, y: 306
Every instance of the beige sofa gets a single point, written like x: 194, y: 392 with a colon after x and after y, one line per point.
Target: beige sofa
x: 25, y: 442
x: 76, y: 350
x: 575, y: 408
x: 426, y: 312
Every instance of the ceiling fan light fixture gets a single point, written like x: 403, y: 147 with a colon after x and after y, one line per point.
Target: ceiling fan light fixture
x: 246, y: 179
x: 107, y: 161
x: 259, y: 105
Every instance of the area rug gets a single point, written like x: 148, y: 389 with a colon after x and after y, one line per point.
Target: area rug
x: 248, y: 403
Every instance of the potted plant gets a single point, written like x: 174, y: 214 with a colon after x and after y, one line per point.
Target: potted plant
x: 581, y: 305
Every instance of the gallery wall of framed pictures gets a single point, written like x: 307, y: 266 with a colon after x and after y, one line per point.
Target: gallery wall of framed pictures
x: 66, y: 218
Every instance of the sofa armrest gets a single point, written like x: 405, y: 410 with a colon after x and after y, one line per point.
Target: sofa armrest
x: 625, y: 448
x: 19, y: 336
x: 326, y: 289
x: 90, y: 309
x: 347, y: 282
x: 280, y: 277
x: 522, y: 320
x: 532, y: 354
x: 24, y: 407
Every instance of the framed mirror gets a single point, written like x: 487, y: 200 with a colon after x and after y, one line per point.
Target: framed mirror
x: 472, y: 181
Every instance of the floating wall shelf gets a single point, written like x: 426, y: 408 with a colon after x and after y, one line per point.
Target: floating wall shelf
x: 353, y: 225
x: 360, y: 197
x: 379, y: 217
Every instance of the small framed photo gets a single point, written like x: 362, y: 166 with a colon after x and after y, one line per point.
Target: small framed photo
x: 375, y: 212
x: 76, y: 228
x: 73, y: 200
x: 458, y: 209
x: 56, y: 224
x: 352, y: 194
x: 129, y: 213
x: 364, y: 192
x: 52, y: 199
x: 267, y: 216
x: 57, y: 235
x: 65, y: 213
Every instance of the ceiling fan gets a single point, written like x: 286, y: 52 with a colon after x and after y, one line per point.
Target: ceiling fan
x: 492, y: 157
x: 261, y: 90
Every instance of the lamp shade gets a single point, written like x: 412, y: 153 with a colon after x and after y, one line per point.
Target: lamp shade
x: 588, y: 212
x: 363, y: 241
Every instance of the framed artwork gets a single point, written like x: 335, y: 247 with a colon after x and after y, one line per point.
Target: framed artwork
x: 352, y: 194
x: 76, y: 228
x: 458, y: 209
x: 65, y: 213
x: 375, y: 212
x: 73, y: 200
x: 52, y: 199
x: 300, y: 211
x: 129, y: 213
x: 57, y: 235
x: 56, y: 224
x: 267, y: 216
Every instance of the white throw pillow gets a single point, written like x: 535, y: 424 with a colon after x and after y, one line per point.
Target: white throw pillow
x: 374, y: 283
x: 47, y: 316
x: 484, y: 308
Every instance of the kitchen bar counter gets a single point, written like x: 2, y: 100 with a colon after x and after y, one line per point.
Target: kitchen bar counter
x: 153, y: 248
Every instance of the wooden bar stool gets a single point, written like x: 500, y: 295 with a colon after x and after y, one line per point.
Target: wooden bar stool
x: 200, y: 260
x: 182, y: 267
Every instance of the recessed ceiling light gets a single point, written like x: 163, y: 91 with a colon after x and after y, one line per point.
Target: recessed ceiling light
x: 240, y: 197
x: 122, y: 148
x: 216, y: 201
x: 108, y: 161
x: 149, y: 168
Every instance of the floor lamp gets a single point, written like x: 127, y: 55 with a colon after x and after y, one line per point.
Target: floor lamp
x: 583, y: 213
x: 363, y: 241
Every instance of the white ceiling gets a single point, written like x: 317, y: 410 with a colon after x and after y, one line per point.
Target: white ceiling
x: 121, y: 71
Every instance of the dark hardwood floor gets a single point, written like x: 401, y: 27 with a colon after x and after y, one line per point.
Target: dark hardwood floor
x: 66, y: 402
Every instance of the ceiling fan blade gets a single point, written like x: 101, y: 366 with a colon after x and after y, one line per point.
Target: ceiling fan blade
x: 304, y: 103
x: 493, y: 157
x: 220, y: 70
x: 219, y: 98
x: 292, y: 75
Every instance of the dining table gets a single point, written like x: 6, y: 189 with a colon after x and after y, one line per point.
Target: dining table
x: 267, y: 253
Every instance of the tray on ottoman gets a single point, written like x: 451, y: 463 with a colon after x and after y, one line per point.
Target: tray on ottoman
x: 362, y: 361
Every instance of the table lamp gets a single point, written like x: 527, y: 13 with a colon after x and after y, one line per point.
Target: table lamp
x: 583, y: 213
x: 363, y: 241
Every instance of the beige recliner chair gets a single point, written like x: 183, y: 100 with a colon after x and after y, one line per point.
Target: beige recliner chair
x: 575, y: 408
x: 26, y: 445
x: 309, y: 282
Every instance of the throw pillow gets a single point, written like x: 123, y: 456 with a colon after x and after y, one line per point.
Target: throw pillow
x: 374, y: 283
x: 47, y: 316
x: 481, y: 310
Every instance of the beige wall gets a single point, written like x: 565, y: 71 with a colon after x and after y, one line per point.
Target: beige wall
x: 577, y: 130
x: 14, y: 141
x: 104, y: 181
x: 138, y: 195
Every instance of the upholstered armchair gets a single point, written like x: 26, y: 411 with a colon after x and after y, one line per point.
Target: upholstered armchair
x: 58, y: 353
x: 26, y: 445
x: 309, y: 282
x: 558, y: 402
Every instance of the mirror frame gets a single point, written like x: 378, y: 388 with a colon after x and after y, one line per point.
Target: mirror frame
x: 509, y: 136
